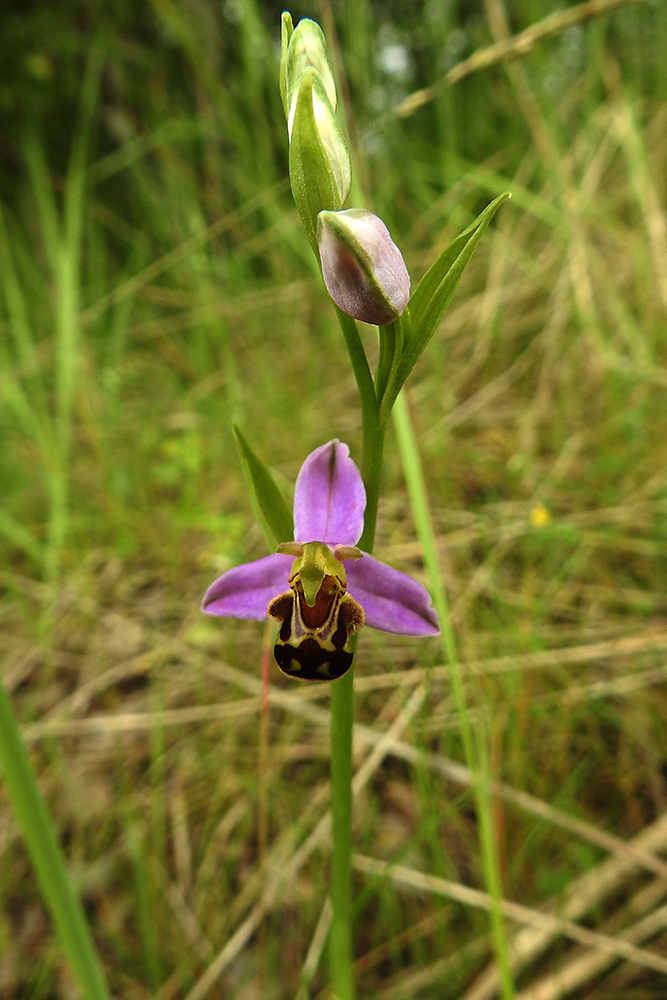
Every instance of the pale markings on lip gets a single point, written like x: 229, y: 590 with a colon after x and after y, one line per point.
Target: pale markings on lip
x: 321, y: 650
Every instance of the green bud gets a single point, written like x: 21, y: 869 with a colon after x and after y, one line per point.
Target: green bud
x: 319, y: 161
x: 362, y: 267
x: 286, y: 31
x: 302, y: 49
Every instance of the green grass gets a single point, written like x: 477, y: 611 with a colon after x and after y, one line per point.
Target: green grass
x: 155, y: 285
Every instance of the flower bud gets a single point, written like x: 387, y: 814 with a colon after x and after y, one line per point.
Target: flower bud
x: 330, y: 136
x: 319, y: 161
x: 303, y: 48
x: 362, y: 267
x: 286, y: 32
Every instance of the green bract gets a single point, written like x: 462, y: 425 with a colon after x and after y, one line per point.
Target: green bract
x: 320, y: 168
x: 305, y: 49
x: 286, y: 31
x: 319, y: 162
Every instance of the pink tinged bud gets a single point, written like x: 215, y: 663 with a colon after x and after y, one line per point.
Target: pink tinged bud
x: 362, y: 267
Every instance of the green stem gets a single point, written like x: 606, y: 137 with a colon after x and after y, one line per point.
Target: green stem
x: 340, y: 937
x: 476, y: 757
x: 393, y: 339
x: 385, y: 359
x: 371, y: 472
x: 360, y: 367
x: 373, y: 432
x: 342, y: 715
x: 342, y: 719
x: 47, y: 857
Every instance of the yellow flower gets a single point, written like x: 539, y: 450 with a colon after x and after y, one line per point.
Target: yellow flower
x: 540, y: 516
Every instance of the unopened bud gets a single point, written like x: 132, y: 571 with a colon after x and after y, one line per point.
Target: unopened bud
x: 330, y: 136
x: 362, y: 267
x: 304, y: 48
x: 320, y: 168
x: 286, y: 32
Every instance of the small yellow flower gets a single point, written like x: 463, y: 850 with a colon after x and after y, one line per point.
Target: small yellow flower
x: 540, y: 516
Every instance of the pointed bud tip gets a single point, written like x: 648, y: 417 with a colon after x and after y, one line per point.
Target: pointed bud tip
x: 306, y: 49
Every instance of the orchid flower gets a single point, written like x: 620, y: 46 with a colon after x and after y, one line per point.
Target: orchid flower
x: 320, y: 587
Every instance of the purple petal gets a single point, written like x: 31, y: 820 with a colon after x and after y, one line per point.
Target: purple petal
x: 329, y: 497
x: 245, y: 591
x: 392, y: 600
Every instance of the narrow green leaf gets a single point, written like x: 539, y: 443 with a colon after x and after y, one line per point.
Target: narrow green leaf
x: 432, y: 296
x: 20, y: 786
x: 269, y: 505
x: 424, y: 293
x: 475, y: 749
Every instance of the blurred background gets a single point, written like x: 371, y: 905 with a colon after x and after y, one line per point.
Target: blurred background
x: 156, y: 285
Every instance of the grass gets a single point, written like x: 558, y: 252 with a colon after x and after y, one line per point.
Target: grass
x: 152, y: 261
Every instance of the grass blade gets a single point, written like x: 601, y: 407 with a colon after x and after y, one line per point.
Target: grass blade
x: 475, y: 748
x: 47, y: 856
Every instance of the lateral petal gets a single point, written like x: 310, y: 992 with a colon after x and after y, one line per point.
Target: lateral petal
x: 392, y: 600
x: 245, y: 591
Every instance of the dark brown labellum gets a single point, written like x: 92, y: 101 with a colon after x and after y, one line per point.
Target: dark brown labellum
x: 322, y: 649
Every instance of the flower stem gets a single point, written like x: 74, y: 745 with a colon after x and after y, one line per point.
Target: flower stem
x: 342, y: 715
x: 340, y: 935
x: 47, y: 856
x: 371, y: 473
x: 386, y: 359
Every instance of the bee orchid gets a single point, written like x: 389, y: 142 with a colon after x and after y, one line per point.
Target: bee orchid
x: 320, y: 587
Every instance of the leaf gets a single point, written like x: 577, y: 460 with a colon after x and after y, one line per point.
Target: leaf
x: 431, y: 297
x: 269, y: 505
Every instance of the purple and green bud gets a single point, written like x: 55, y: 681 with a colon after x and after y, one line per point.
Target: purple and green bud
x: 362, y: 267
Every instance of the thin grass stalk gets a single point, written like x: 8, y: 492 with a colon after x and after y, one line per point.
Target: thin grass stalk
x: 68, y: 267
x: 47, y: 856
x: 476, y: 755
x: 64, y: 248
x: 263, y: 795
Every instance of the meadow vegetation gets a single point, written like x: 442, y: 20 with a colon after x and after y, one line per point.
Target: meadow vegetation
x: 155, y: 286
